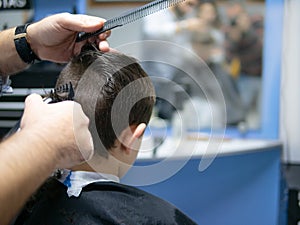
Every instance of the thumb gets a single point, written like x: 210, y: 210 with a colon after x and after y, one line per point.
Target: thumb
x: 82, y: 22
x: 33, y: 100
x: 32, y: 103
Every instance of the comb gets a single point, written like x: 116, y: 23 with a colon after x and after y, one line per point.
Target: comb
x: 61, y: 93
x: 130, y: 16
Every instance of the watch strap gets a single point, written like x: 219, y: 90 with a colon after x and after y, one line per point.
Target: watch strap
x: 22, y: 46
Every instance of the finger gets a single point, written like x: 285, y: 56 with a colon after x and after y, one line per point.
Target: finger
x: 81, y: 22
x: 33, y: 100
x: 104, y: 46
x: 82, y: 134
x: 88, y: 152
x: 105, y: 35
x: 79, y: 112
x: 92, y: 39
x: 78, y: 47
x: 113, y: 50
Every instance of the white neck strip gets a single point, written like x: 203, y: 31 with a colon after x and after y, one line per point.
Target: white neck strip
x: 76, y: 180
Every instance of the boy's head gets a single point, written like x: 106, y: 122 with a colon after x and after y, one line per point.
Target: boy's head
x: 114, y: 92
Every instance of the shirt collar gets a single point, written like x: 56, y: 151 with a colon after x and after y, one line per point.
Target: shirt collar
x: 76, y: 180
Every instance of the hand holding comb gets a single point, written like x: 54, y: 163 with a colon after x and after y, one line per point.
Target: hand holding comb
x: 130, y: 16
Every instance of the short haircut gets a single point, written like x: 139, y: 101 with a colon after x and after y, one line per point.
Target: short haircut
x: 99, y: 80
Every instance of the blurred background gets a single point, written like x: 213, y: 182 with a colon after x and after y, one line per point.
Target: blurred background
x: 225, y: 68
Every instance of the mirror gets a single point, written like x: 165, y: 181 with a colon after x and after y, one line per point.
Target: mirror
x: 228, y: 37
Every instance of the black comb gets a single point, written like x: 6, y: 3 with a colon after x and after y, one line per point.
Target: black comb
x: 130, y: 16
x: 61, y: 93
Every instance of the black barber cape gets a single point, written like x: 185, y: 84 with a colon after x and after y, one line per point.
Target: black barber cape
x: 101, y: 203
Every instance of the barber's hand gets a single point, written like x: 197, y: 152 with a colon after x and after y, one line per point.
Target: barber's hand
x: 61, y: 126
x: 53, y: 38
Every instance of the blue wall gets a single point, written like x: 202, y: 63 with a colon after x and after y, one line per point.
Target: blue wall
x: 239, y: 189
x: 46, y: 8
x: 272, y: 68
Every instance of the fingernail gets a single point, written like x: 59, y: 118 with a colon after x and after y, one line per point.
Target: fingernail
x: 103, y: 36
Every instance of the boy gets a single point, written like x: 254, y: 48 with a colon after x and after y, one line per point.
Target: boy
x: 118, y: 97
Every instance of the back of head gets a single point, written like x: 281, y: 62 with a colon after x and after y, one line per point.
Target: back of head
x: 113, y: 90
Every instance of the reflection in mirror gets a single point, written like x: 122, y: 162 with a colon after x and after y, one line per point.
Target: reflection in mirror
x: 243, y: 53
x: 228, y: 37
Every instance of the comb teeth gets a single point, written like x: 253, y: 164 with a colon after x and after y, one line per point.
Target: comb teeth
x: 141, y: 12
x: 62, y: 93
x: 62, y: 88
x: 130, y: 16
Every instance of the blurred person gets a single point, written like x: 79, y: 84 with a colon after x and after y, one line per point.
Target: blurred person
x: 30, y: 155
x: 90, y: 193
x: 171, y: 25
x: 244, y: 56
x: 207, y: 38
x: 208, y: 43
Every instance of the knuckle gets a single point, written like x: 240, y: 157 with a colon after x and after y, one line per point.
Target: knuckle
x: 86, y: 120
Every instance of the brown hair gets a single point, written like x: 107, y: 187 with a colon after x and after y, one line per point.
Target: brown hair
x: 113, y: 90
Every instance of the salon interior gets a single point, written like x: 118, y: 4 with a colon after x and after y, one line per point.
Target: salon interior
x: 223, y: 143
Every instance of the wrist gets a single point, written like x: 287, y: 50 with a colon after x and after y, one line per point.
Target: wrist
x: 32, y: 38
x: 10, y: 62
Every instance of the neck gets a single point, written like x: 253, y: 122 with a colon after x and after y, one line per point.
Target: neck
x: 110, y: 165
x: 100, y: 164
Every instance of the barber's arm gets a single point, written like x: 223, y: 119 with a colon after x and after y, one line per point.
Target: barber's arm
x: 51, y: 136
x: 52, y: 38
x: 47, y: 139
x: 10, y: 62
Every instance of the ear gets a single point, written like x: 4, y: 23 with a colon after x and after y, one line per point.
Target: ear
x: 130, y: 137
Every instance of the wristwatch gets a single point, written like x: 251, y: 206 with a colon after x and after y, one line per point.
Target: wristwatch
x: 22, y: 46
